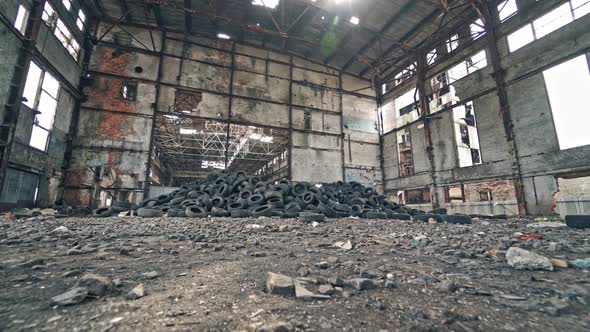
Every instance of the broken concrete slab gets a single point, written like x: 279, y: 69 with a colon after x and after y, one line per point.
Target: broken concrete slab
x: 279, y: 284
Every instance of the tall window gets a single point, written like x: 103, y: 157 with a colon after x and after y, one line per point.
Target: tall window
x: 567, y: 84
x: 471, y: 65
x: 81, y: 19
x: 406, y: 106
x: 467, y: 135
x: 40, y: 94
x: 60, y: 30
x: 20, y: 23
x: 67, y: 4
x: 405, y: 155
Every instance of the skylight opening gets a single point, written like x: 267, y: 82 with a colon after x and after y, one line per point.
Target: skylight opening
x: 272, y: 4
x: 223, y: 36
x: 354, y: 20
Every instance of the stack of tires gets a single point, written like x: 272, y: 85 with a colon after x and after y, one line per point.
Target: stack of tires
x: 237, y: 195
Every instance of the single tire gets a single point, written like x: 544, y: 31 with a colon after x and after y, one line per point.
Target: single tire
x: 326, y: 211
x: 235, y: 206
x: 278, y: 213
x: 176, y: 213
x: 273, y: 193
x: 255, y: 199
x: 438, y: 211
x: 219, y: 212
x: 399, y: 216
x: 262, y: 211
x: 176, y: 201
x: 150, y: 213
x: 195, y: 212
x: 425, y: 217
x: 578, y: 222
x: 375, y: 215
x: 240, y: 213
x: 456, y: 219
x: 104, y: 212
x: 311, y: 217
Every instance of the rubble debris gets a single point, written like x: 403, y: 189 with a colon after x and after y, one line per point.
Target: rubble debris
x: 522, y: 259
x: 95, y: 284
x: 73, y: 296
x: 136, y: 293
x: 279, y: 284
x: 343, y: 245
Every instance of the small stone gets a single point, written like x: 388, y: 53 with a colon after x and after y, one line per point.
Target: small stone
x: 432, y: 221
x: 95, y: 284
x: 279, y: 284
x: 136, y: 293
x: 72, y: 273
x: 74, y: 251
x: 33, y: 262
x: 323, y: 265
x: 390, y: 284
x: 522, y: 259
x: 73, y: 296
x: 360, y: 283
x: 559, y: 263
x: 326, y: 289
x: 343, y: 245
x: 447, y: 286
x: 303, y: 293
x: 151, y: 275
x: 60, y: 230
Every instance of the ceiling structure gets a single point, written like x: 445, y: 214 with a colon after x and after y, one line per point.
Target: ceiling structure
x: 320, y: 30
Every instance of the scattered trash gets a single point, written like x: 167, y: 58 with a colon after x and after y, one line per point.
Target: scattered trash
x: 343, y: 245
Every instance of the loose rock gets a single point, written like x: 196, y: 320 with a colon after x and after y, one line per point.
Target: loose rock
x: 522, y: 259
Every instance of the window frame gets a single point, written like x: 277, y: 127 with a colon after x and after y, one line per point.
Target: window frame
x: 38, y: 94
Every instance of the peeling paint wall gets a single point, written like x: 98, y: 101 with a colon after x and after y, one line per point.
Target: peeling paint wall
x: 264, y: 84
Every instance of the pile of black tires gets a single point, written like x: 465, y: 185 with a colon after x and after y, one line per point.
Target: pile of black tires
x: 237, y: 195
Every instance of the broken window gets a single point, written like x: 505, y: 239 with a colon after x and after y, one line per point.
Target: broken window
x: 187, y: 101
x: 566, y: 83
x: 544, y: 25
x: 407, y: 107
x: 67, y: 39
x: 507, y: 9
x: 468, y: 149
x: 405, y: 74
x: 22, y: 16
x: 455, y: 194
x: 307, y: 120
x: 485, y: 196
x: 477, y: 29
x: 418, y: 196
x: 470, y: 65
x: 41, y: 92
x: 404, y: 147
x: 129, y: 90
x: 431, y: 57
x: 81, y: 19
x: 452, y: 43
x: 49, y: 15
x: 60, y: 31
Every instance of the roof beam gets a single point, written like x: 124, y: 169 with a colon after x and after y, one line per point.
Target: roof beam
x: 409, y: 5
x: 126, y: 10
x: 407, y: 36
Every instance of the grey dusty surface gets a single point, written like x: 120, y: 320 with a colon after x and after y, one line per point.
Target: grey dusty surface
x: 168, y: 274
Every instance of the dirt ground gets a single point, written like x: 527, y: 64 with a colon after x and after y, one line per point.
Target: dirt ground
x: 211, y: 275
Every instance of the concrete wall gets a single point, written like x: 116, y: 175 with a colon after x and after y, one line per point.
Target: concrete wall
x: 535, y: 150
x: 114, y: 133
x: 31, y: 170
